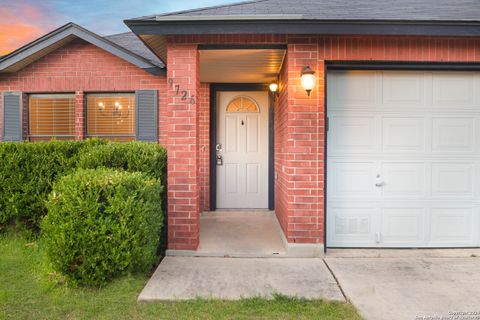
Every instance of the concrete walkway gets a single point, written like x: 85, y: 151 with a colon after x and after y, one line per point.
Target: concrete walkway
x: 235, y: 278
x: 410, y: 287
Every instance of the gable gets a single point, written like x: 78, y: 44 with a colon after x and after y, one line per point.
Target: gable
x: 58, y: 38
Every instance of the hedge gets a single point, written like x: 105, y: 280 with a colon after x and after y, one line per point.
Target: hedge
x: 103, y: 223
x: 149, y: 158
x: 28, y: 170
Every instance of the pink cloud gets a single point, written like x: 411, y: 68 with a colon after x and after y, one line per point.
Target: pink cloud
x: 20, y: 24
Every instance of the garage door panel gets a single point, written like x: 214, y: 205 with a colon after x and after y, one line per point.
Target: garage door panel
x: 402, y: 134
x: 403, y: 179
x: 453, y: 89
x: 452, y: 180
x: 453, y: 134
x: 476, y: 89
x: 403, y: 159
x: 453, y: 227
x: 403, y: 225
x: 353, y: 133
x: 402, y: 89
x: 359, y: 85
x: 353, y: 223
x: 353, y: 179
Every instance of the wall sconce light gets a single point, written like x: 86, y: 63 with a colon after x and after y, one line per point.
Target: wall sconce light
x: 101, y: 106
x: 273, y: 87
x: 308, y: 79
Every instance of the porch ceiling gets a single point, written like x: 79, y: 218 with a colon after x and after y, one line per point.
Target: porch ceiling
x: 240, y: 65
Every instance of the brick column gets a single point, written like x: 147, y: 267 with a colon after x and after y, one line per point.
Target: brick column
x: 183, y: 89
x: 300, y: 164
x: 79, y: 116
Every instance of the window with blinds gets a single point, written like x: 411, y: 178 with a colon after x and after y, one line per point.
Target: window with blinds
x: 51, y: 116
x: 111, y: 116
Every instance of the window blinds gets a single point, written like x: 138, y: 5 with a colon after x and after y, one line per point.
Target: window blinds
x: 51, y: 116
x: 111, y: 116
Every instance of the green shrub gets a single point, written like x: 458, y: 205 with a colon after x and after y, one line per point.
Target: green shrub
x: 149, y: 158
x: 28, y: 170
x: 102, y: 223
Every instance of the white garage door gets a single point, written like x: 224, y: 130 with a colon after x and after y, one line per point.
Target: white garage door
x: 403, y: 159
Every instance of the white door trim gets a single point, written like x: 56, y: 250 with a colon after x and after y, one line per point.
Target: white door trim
x: 214, y: 89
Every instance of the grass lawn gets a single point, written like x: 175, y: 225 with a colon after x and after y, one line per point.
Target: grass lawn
x: 29, y: 289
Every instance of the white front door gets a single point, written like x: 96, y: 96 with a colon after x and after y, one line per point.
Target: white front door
x: 242, y: 150
x: 403, y: 159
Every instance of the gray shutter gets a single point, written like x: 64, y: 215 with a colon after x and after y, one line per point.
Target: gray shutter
x: 147, y: 115
x: 12, y: 116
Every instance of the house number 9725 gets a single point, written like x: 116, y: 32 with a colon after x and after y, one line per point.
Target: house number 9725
x: 180, y: 92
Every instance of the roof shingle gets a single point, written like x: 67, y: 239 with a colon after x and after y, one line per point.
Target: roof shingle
x: 395, y: 10
x: 130, y: 42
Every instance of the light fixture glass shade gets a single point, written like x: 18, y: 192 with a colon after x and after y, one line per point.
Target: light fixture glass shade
x: 273, y: 87
x: 308, y: 79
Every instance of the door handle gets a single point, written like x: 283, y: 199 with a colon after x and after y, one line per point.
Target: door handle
x: 379, y: 182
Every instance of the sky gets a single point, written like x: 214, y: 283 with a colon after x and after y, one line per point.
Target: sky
x: 22, y: 21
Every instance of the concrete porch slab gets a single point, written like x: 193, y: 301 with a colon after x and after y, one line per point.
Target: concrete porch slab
x: 245, y: 234
x: 240, y: 234
x: 236, y: 278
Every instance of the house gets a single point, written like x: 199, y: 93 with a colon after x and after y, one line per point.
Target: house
x: 357, y: 122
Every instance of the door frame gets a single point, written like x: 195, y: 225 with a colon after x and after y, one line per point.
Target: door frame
x: 218, y: 87
x: 375, y: 65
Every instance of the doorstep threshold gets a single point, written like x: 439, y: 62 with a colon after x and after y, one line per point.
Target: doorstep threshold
x: 195, y: 253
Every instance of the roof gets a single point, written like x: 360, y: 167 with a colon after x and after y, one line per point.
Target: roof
x: 394, y: 10
x: 131, y: 42
x: 326, y: 17
x: 42, y: 46
x: 452, y: 18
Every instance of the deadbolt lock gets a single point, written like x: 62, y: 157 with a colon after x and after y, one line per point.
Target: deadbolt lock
x: 219, y: 160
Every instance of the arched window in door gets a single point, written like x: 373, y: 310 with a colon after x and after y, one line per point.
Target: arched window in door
x: 243, y: 104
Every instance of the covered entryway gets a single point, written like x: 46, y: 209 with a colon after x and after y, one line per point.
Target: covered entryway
x: 240, y: 221
x: 241, y: 123
x: 403, y: 159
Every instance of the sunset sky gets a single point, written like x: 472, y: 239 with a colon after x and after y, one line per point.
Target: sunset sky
x: 22, y: 21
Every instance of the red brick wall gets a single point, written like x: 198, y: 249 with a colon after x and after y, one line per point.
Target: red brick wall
x: 79, y: 115
x: 204, y: 127
x: 303, y: 148
x: 360, y: 47
x: 301, y: 198
x: 184, y: 128
x: 299, y: 120
x: 183, y: 147
x: 228, y: 38
x: 79, y: 68
x: 399, y: 48
x: 281, y: 144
